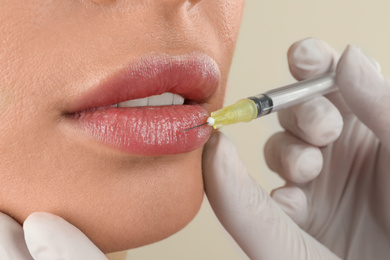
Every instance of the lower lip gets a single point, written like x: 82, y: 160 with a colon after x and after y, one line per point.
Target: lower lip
x: 147, y: 131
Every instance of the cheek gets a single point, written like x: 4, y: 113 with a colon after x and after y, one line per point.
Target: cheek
x: 226, y: 18
x: 231, y: 20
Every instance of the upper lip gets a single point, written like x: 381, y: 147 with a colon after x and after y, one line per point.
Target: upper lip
x: 194, y: 76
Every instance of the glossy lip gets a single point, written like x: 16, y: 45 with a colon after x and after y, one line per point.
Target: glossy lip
x: 151, y: 131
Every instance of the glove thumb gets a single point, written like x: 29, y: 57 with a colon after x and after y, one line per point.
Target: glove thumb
x: 51, y: 237
x: 365, y: 91
x: 248, y: 213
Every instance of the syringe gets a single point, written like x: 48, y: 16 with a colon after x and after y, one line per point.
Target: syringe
x: 250, y: 108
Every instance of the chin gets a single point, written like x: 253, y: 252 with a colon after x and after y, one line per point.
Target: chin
x: 119, y: 204
x: 166, y: 205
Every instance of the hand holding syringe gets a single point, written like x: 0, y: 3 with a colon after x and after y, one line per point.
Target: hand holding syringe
x: 250, y: 108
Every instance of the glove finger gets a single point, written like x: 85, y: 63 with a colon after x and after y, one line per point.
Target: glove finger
x: 12, y: 244
x: 366, y: 92
x: 51, y: 237
x: 294, y: 160
x: 317, y: 121
x: 248, y: 213
x: 292, y: 200
x: 311, y: 57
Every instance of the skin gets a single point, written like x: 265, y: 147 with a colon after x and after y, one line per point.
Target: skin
x: 51, y: 52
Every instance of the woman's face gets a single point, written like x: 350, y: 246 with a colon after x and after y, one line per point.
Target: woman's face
x: 126, y: 176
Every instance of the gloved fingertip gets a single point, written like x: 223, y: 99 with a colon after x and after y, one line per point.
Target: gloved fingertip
x: 366, y: 91
x: 301, y: 164
x: 51, y: 237
x: 310, y: 57
x: 38, y: 245
x: 309, y: 164
x: 353, y: 67
x: 219, y: 155
x: 360, y: 82
x: 33, y: 221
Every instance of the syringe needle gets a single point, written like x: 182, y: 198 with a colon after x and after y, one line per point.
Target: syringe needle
x: 195, y: 127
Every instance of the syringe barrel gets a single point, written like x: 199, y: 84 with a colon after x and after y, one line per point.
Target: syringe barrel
x: 250, y: 108
x: 299, y: 92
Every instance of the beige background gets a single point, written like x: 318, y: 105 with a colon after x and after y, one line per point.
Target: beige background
x: 268, y: 29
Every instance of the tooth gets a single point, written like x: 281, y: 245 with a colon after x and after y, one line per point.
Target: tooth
x: 161, y: 100
x: 178, y: 100
x: 141, y: 102
x: 164, y: 99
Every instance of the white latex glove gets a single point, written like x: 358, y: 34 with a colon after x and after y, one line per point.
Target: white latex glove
x: 44, y: 236
x: 338, y: 191
x: 348, y: 204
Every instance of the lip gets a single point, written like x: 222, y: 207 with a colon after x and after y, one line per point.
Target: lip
x: 155, y: 130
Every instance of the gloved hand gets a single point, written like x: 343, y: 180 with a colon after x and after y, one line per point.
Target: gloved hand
x: 44, y: 237
x: 334, y: 155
